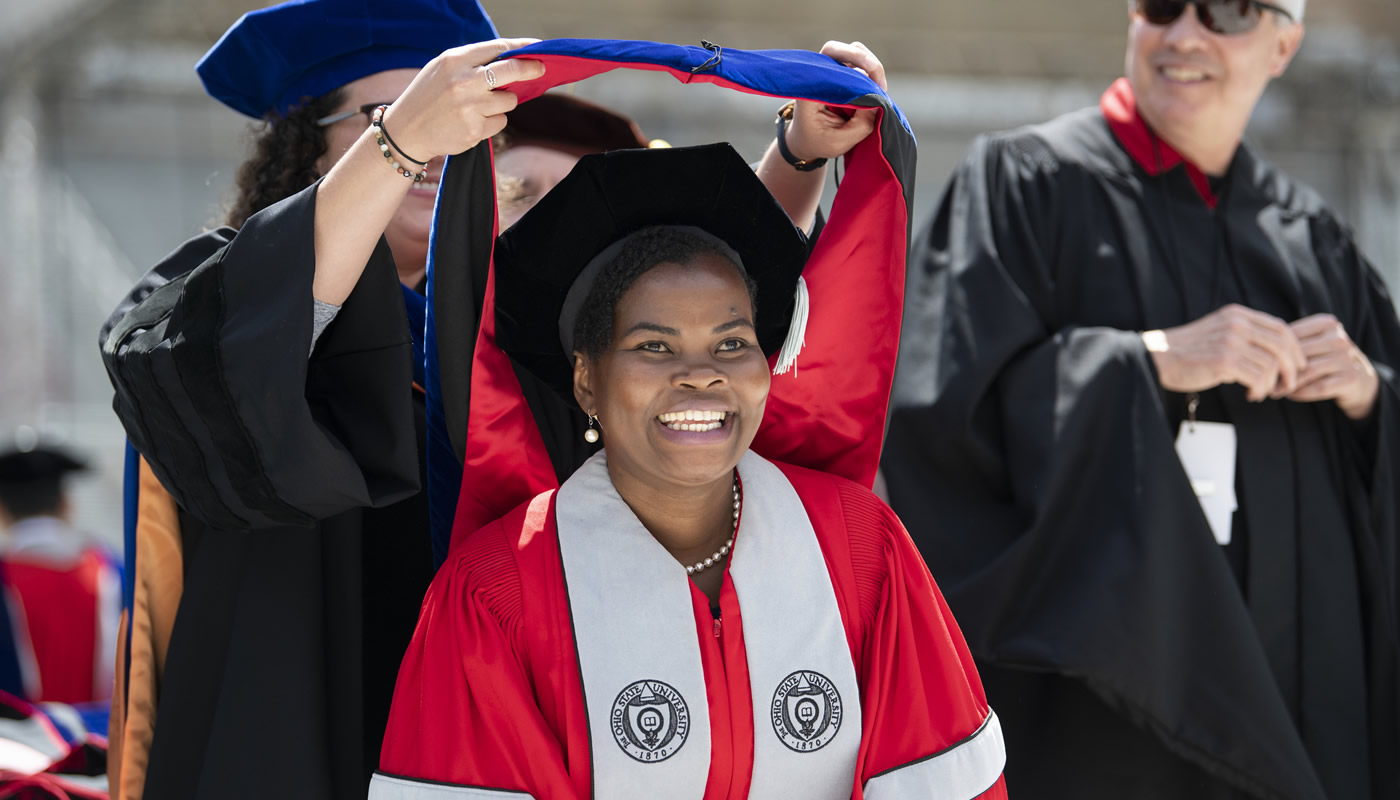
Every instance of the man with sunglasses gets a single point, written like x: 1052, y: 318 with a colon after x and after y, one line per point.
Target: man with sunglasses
x: 1146, y: 431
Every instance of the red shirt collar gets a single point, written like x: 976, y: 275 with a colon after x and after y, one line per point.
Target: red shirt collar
x: 1155, y: 156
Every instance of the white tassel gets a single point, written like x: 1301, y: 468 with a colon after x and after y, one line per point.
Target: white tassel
x: 797, y: 331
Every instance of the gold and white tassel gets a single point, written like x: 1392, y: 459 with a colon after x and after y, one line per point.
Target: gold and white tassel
x: 797, y: 330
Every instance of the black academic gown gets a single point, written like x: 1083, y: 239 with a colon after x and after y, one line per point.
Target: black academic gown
x: 1030, y: 454
x: 306, y: 550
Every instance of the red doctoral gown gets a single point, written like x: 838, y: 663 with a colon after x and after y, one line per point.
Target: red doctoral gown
x: 490, y: 697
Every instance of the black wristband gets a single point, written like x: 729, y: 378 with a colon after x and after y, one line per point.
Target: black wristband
x: 784, y: 114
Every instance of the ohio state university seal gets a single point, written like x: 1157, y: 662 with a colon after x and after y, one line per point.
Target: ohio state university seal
x: 806, y: 711
x: 650, y: 721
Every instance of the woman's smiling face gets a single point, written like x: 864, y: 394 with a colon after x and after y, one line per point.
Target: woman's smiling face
x: 680, y: 390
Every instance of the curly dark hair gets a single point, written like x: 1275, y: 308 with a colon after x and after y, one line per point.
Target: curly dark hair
x: 284, y: 157
x: 648, y: 248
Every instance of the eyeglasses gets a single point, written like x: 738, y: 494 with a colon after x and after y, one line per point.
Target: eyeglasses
x: 367, y: 109
x: 1218, y: 16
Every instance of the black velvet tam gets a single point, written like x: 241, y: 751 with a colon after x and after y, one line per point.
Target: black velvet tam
x: 611, y: 195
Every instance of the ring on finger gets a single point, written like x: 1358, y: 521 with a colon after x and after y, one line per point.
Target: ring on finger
x: 490, y: 78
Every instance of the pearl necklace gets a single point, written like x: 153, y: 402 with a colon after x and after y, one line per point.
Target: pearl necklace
x: 700, y: 566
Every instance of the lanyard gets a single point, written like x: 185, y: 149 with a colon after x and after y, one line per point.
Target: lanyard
x: 1176, y: 272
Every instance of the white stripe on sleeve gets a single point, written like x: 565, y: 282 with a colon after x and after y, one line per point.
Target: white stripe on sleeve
x: 392, y: 787
x: 961, y: 772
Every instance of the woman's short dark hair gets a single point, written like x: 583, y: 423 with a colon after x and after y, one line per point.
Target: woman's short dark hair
x: 650, y: 247
x: 284, y: 157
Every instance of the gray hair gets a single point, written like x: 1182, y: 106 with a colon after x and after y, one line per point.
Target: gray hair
x: 1293, y: 7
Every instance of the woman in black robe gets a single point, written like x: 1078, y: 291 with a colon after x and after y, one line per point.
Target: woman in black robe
x: 301, y: 531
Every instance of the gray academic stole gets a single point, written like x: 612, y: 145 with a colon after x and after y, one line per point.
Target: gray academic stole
x: 643, y: 680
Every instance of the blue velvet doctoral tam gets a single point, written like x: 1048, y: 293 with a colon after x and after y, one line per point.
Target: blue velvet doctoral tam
x: 276, y: 58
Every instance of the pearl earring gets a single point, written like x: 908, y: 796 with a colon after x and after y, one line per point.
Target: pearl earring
x: 591, y: 435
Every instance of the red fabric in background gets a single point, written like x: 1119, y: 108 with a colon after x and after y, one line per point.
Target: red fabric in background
x: 60, y: 608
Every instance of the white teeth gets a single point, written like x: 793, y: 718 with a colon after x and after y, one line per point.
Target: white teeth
x: 694, y: 421
x: 692, y: 416
x: 1186, y: 75
x: 695, y: 427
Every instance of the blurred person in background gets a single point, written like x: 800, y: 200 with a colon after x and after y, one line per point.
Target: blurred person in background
x: 1146, y: 432
x: 288, y: 542
x: 62, y: 588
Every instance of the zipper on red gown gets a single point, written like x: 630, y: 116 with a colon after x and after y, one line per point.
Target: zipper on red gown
x: 727, y: 690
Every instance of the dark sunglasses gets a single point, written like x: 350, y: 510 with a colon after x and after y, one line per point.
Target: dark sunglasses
x: 1218, y: 16
x: 367, y: 109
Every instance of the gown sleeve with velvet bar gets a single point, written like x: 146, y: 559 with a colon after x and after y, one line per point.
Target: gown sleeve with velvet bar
x: 301, y: 533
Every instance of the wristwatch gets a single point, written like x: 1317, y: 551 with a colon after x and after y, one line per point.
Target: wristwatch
x: 784, y: 115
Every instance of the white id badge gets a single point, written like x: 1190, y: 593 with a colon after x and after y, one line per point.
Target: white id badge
x: 1207, y: 452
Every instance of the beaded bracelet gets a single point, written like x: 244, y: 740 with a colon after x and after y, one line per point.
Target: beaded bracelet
x: 380, y: 132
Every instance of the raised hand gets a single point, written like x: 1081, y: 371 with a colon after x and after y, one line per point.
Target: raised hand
x: 459, y: 99
x: 1336, y: 369
x: 449, y: 107
x: 1232, y: 345
x: 817, y: 131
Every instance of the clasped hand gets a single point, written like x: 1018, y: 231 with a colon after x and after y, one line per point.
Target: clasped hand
x: 818, y: 131
x: 1307, y: 361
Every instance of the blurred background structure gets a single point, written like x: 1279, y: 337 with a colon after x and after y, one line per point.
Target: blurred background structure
x: 111, y: 154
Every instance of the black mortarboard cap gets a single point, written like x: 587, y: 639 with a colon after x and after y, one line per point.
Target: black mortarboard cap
x: 39, y: 465
x: 273, y: 58
x: 609, y: 196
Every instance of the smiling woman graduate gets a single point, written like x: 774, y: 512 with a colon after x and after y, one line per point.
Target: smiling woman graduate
x: 682, y: 618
